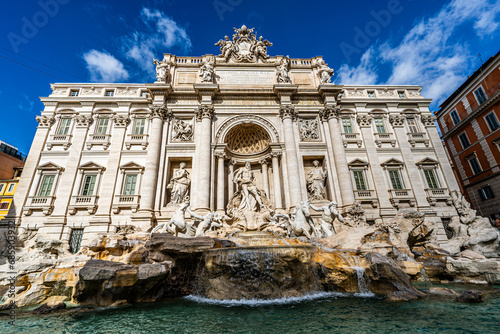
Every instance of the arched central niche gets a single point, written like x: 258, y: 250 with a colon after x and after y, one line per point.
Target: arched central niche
x: 247, y: 139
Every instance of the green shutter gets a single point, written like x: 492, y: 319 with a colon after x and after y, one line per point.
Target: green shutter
x: 130, y: 182
x: 431, y: 178
x: 395, y: 179
x: 379, y: 124
x: 346, y: 122
x: 102, y: 126
x: 64, y: 126
x: 139, y: 126
x: 47, y: 182
x: 88, y: 185
x: 359, y: 180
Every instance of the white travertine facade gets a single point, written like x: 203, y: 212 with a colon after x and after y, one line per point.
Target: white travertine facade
x: 104, y: 154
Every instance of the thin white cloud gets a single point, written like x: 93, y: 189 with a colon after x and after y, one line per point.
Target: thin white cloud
x: 161, y: 34
x: 363, y: 74
x: 103, y: 67
x: 427, y: 55
x: 26, y: 104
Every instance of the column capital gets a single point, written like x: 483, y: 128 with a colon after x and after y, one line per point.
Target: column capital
x: 205, y: 111
x: 159, y: 111
x: 397, y: 120
x: 364, y: 121
x: 82, y: 121
x: 231, y: 161
x: 428, y: 120
x: 276, y: 154
x: 329, y: 111
x: 45, y: 121
x: 220, y: 155
x: 288, y: 111
x: 264, y: 161
x: 121, y: 121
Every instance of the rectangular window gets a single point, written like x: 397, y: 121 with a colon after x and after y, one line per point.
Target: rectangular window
x: 75, y: 240
x: 73, y: 93
x: 474, y: 164
x: 102, y: 126
x: 371, y: 93
x: 346, y: 122
x: 144, y: 94
x: 379, y: 124
x: 430, y: 177
x: 11, y: 187
x: 88, y: 185
x: 64, y: 126
x: 4, y: 205
x: 486, y: 193
x: 464, y: 140
x: 454, y: 117
x: 46, y: 187
x: 2, y: 186
x: 401, y: 94
x: 395, y: 179
x: 412, y: 125
x: 130, y: 182
x: 492, y: 121
x: 110, y: 93
x: 359, y: 179
x: 480, y: 95
x: 139, y: 126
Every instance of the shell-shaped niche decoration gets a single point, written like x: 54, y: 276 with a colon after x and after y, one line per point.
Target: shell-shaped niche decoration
x: 247, y: 139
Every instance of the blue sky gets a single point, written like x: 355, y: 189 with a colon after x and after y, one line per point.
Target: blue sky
x: 423, y: 42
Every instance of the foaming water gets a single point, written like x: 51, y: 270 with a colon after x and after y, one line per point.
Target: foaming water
x: 363, y: 283
x: 262, y: 302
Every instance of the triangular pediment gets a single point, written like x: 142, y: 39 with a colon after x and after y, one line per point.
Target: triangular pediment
x: 131, y: 165
x: 358, y: 162
x: 392, y: 162
x: 50, y: 166
x: 91, y: 165
x: 427, y: 161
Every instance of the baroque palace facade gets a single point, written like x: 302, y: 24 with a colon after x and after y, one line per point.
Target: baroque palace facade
x: 107, y: 156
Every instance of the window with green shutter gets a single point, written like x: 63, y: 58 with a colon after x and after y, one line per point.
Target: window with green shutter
x: 359, y: 179
x: 130, y: 182
x: 64, y: 126
x: 102, y: 126
x: 395, y: 179
x: 88, y: 185
x: 139, y: 126
x: 379, y: 125
x: 46, y: 187
x: 431, y: 179
x: 346, y: 122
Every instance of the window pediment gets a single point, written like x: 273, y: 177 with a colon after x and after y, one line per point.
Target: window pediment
x: 131, y: 166
x: 358, y: 163
x: 427, y: 162
x: 91, y: 166
x: 392, y: 163
x: 50, y: 166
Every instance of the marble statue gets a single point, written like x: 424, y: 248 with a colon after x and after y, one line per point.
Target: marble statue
x: 182, y: 130
x: 316, y: 182
x: 325, y: 72
x: 227, y: 48
x: 302, y: 223
x: 207, y: 71
x: 177, y: 224
x: 208, y: 222
x: 283, y: 70
x: 162, y: 71
x: 275, y: 220
x: 330, y: 212
x: 179, y: 185
x: 260, y: 48
x: 251, y: 196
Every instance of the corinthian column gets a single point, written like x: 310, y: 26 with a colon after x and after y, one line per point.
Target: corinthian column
x: 204, y: 115
x: 330, y: 114
x: 220, y: 180
x: 265, y: 177
x: 288, y: 114
x: 158, y: 114
x: 276, y: 180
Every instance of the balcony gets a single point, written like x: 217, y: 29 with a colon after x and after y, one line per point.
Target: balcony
x: 130, y: 202
x: 59, y: 140
x: 366, y: 196
x: 435, y: 195
x: 88, y: 203
x: 96, y: 139
x: 39, y: 203
x: 352, y: 138
x: 418, y: 137
x: 136, y: 139
x: 471, y: 111
x: 398, y: 196
x: 383, y: 138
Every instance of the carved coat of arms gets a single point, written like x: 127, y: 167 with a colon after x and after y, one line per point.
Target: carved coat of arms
x: 244, y: 47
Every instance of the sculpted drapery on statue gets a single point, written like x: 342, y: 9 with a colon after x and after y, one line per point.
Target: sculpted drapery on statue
x: 325, y: 72
x: 207, y: 71
x: 282, y: 71
x: 316, y: 182
x: 162, y: 71
x: 250, y: 195
x: 245, y: 47
x: 179, y: 185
